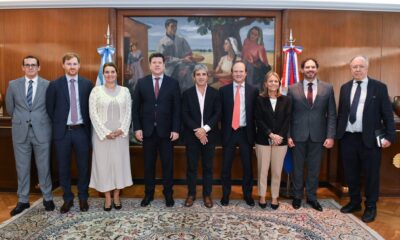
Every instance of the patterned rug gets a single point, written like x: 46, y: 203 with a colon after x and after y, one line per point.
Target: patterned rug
x: 237, y: 221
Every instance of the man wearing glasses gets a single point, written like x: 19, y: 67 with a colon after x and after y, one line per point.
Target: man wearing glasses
x: 31, y: 130
x: 67, y: 103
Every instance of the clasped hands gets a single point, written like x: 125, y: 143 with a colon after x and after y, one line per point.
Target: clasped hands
x: 201, y: 134
x: 275, y: 139
x: 114, y: 134
x: 139, y: 135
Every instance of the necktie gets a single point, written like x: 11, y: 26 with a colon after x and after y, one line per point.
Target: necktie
x: 310, y: 94
x: 236, y: 109
x: 354, y: 104
x: 29, y: 94
x: 74, y: 110
x: 156, y: 87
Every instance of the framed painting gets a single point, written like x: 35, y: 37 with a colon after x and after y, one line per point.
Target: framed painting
x: 215, y: 38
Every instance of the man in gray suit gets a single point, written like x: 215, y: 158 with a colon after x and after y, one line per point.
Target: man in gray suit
x: 31, y: 130
x: 313, y: 126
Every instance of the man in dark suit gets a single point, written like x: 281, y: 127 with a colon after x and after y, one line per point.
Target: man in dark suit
x: 364, y: 109
x: 31, y: 130
x: 312, y: 127
x: 67, y: 103
x: 238, y: 129
x: 201, y: 110
x: 156, y: 122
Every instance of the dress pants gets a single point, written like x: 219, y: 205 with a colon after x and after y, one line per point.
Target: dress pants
x: 358, y: 158
x: 164, y: 146
x: 193, y: 152
x: 23, y: 157
x: 266, y: 156
x: 306, y: 154
x: 77, y: 140
x: 238, y: 138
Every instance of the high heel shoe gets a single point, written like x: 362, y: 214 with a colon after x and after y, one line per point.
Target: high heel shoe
x: 118, y: 206
x: 274, y: 206
x: 262, y: 205
x: 107, y: 209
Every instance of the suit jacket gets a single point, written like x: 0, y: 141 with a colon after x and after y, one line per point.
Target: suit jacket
x: 227, y: 101
x: 317, y: 122
x: 269, y: 121
x: 22, y: 115
x: 58, y: 104
x: 377, y: 112
x: 164, y: 111
x: 191, y: 114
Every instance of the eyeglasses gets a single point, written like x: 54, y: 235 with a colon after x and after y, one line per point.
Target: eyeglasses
x: 30, y: 65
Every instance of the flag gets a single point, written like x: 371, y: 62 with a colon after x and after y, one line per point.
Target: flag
x: 106, y: 54
x: 290, y: 76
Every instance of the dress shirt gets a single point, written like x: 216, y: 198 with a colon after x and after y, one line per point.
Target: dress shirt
x: 314, y: 88
x: 159, y: 81
x: 357, y: 125
x: 201, y: 99
x: 273, y: 103
x: 242, y: 122
x: 78, y: 105
x: 34, y: 86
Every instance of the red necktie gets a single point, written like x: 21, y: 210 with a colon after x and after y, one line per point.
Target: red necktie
x: 236, y: 109
x: 156, y: 87
x: 310, y: 94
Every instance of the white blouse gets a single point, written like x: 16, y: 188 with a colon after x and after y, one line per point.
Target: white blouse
x: 99, y: 102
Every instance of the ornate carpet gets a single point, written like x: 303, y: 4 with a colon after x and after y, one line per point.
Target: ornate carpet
x: 237, y: 221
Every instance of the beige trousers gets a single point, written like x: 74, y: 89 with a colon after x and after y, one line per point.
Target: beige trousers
x: 267, y: 155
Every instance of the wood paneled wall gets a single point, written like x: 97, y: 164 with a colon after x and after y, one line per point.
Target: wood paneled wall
x: 332, y: 37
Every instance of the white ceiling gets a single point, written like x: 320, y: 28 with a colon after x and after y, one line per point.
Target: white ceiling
x: 356, y: 5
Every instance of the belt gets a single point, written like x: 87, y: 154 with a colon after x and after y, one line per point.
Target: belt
x: 72, y: 127
x: 240, y: 128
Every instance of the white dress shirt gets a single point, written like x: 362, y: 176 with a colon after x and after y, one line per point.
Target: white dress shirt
x: 357, y: 125
x: 314, y: 88
x: 201, y: 99
x: 159, y: 81
x: 34, y: 86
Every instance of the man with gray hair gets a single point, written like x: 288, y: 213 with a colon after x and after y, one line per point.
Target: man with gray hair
x: 201, y: 110
x: 365, y: 125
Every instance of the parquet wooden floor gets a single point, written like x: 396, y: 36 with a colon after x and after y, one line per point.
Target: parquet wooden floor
x: 386, y: 224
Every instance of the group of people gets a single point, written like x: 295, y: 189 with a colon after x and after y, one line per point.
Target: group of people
x: 305, y: 120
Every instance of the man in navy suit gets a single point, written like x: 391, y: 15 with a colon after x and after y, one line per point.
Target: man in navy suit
x: 201, y: 110
x: 156, y: 122
x: 67, y: 103
x: 364, y: 110
x: 238, y: 100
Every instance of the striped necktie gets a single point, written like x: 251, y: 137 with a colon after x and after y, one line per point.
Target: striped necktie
x: 29, y: 94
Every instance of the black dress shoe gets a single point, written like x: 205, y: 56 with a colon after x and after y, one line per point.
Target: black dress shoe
x: 169, y: 201
x: 296, y: 203
x: 369, y: 214
x: 262, y: 205
x: 274, y: 206
x: 225, y: 201
x: 249, y: 201
x: 83, y: 205
x: 315, y: 204
x: 66, y: 206
x: 351, y: 207
x: 19, y: 208
x: 146, y: 200
x: 49, y: 205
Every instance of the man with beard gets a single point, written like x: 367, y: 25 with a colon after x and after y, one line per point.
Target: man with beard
x: 67, y: 103
x: 312, y: 127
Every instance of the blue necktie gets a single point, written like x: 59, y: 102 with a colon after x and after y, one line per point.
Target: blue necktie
x: 29, y: 94
x: 354, y: 104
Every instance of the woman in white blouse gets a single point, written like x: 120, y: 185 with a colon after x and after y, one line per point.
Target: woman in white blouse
x: 110, y: 113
